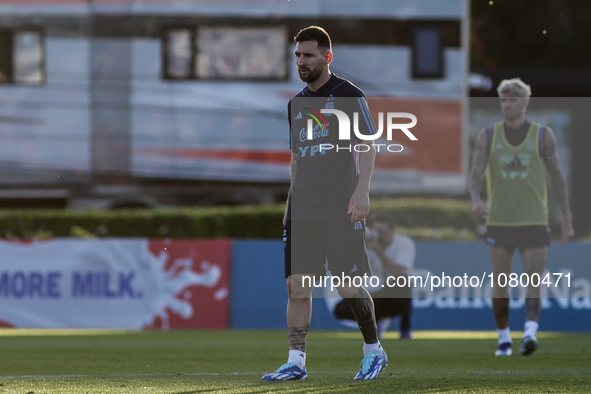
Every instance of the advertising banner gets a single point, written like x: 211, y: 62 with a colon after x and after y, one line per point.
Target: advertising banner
x: 566, y: 305
x: 114, y: 283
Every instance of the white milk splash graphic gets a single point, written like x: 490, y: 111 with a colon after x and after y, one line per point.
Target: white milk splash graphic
x: 115, y: 283
x: 172, y: 282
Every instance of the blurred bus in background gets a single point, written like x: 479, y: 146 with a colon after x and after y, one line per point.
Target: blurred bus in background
x: 147, y: 103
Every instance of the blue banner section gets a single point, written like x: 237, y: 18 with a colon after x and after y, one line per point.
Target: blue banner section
x: 259, y: 295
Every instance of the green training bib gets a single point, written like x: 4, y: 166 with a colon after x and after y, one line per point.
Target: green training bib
x: 516, y: 181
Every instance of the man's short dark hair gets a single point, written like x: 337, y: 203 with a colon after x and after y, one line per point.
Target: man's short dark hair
x: 385, y: 217
x: 314, y: 33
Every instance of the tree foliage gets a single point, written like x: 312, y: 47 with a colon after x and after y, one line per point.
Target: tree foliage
x: 511, y: 33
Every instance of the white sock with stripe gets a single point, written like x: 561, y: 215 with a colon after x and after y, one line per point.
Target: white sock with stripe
x: 373, y: 348
x: 297, y: 357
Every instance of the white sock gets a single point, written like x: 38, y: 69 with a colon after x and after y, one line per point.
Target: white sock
x: 504, y: 335
x: 373, y: 348
x: 531, y: 328
x: 297, y: 357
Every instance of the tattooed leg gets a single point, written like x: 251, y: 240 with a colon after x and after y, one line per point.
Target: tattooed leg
x: 297, y: 338
x: 534, y: 262
x: 363, y: 309
x: 299, y: 312
x: 533, y: 307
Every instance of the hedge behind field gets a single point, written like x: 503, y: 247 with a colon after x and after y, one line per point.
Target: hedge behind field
x: 429, y: 213
x: 247, y: 222
x: 420, y: 218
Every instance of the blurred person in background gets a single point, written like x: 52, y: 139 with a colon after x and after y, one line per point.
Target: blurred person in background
x: 518, y: 154
x: 390, y: 255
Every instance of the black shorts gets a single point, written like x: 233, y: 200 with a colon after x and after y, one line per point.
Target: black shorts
x: 312, y: 246
x: 521, y: 237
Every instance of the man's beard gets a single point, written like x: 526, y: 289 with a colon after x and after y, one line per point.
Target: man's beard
x: 312, y: 75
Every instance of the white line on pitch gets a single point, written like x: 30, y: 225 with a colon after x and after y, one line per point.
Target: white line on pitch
x: 262, y: 373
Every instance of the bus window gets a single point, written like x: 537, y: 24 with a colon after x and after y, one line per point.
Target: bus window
x: 427, y: 53
x: 179, y: 54
x: 243, y: 53
x: 21, y: 57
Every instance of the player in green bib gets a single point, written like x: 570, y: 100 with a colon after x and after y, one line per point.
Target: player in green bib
x: 518, y: 154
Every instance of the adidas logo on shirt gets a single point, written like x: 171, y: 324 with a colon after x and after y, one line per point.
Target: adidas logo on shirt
x: 299, y: 116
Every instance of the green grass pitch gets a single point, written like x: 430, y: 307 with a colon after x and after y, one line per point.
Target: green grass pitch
x: 107, y: 361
